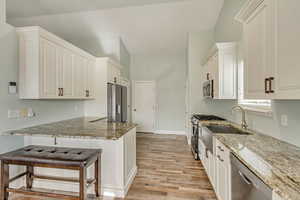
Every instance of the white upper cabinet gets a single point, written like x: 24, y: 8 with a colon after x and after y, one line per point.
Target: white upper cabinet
x: 221, y: 67
x: 271, y: 41
x: 49, y: 62
x: 51, y: 68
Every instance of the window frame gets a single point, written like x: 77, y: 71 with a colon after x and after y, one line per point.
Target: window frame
x: 252, y: 105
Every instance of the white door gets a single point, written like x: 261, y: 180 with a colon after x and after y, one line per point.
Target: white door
x: 49, y: 62
x: 144, y: 101
x: 256, y: 52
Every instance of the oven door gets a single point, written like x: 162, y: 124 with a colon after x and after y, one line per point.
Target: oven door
x: 208, y: 89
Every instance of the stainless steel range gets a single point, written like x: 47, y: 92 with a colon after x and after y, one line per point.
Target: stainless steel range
x: 196, y: 131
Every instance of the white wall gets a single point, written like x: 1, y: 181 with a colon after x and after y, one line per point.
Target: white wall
x: 46, y: 111
x: 169, y: 72
x: 125, y: 60
x: 229, y: 30
x: 2, y: 11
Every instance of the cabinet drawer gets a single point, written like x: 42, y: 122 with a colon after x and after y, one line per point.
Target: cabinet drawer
x: 222, y: 152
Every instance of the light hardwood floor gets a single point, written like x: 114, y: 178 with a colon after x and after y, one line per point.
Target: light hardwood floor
x: 166, y: 171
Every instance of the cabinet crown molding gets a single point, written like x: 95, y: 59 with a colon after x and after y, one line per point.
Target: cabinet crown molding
x: 111, y: 61
x: 46, y: 34
x: 247, y: 9
x: 218, y: 46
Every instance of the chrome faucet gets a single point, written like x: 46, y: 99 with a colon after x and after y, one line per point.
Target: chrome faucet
x: 244, y: 123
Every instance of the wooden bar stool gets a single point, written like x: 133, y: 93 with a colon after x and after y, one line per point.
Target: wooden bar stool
x: 51, y: 157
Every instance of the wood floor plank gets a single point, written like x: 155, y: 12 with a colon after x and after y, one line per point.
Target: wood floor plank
x: 166, y: 171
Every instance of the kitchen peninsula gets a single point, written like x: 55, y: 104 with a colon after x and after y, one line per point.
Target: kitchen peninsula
x: 117, y: 141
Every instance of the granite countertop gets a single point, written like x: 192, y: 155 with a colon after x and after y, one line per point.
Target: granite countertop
x: 276, y: 162
x: 84, y: 127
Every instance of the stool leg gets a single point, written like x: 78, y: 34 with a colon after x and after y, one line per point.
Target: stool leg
x: 98, y: 177
x: 29, y: 178
x: 4, y: 182
x: 83, y: 189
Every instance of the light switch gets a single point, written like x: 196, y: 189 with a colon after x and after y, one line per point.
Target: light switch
x: 30, y: 112
x: 284, y: 120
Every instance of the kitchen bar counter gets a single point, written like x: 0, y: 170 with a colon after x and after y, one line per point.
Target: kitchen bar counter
x: 85, y: 127
x: 117, y: 141
x: 276, y: 162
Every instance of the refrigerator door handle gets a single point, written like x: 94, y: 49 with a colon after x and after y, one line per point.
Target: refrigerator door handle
x: 119, y: 109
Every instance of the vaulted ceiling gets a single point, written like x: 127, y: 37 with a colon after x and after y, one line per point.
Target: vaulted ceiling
x: 29, y: 8
x: 145, y: 26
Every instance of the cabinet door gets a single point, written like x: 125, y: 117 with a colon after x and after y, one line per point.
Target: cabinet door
x: 287, y: 52
x: 49, y: 69
x: 223, y: 185
x: 228, y: 73
x: 79, y: 64
x: 257, y: 60
x: 67, y: 73
x: 214, y: 71
x: 211, y: 163
x: 90, y: 78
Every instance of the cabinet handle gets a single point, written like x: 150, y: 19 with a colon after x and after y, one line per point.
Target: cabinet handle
x: 266, y: 86
x: 220, y: 148
x: 87, y: 93
x: 219, y: 157
x: 115, y: 79
x: 270, y: 85
x: 62, y: 91
x: 207, y: 76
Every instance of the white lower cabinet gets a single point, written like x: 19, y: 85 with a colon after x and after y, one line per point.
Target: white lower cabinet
x: 118, y: 168
x: 218, y: 169
x: 211, y: 168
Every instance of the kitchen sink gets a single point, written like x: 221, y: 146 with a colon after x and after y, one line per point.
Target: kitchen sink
x: 226, y: 129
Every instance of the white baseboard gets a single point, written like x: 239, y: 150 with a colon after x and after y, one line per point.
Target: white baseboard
x: 166, y: 132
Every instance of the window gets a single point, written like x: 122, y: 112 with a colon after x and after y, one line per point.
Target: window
x: 255, y: 105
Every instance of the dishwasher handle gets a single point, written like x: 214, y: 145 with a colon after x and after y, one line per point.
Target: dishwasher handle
x: 244, y: 177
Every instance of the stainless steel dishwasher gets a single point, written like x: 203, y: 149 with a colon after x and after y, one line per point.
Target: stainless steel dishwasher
x: 245, y: 184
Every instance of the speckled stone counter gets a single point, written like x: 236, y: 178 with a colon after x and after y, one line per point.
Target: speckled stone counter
x: 276, y: 162
x: 78, y: 128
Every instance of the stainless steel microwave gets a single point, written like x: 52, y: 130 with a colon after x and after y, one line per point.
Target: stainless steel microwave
x: 208, y: 89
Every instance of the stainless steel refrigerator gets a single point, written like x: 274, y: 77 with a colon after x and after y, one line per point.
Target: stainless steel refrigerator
x: 116, y: 103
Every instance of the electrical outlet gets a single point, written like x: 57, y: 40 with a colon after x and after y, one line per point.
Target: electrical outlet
x: 284, y: 120
x: 30, y: 112
x: 13, y: 114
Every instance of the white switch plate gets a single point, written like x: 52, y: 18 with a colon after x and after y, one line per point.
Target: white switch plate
x: 284, y: 120
x: 13, y: 114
